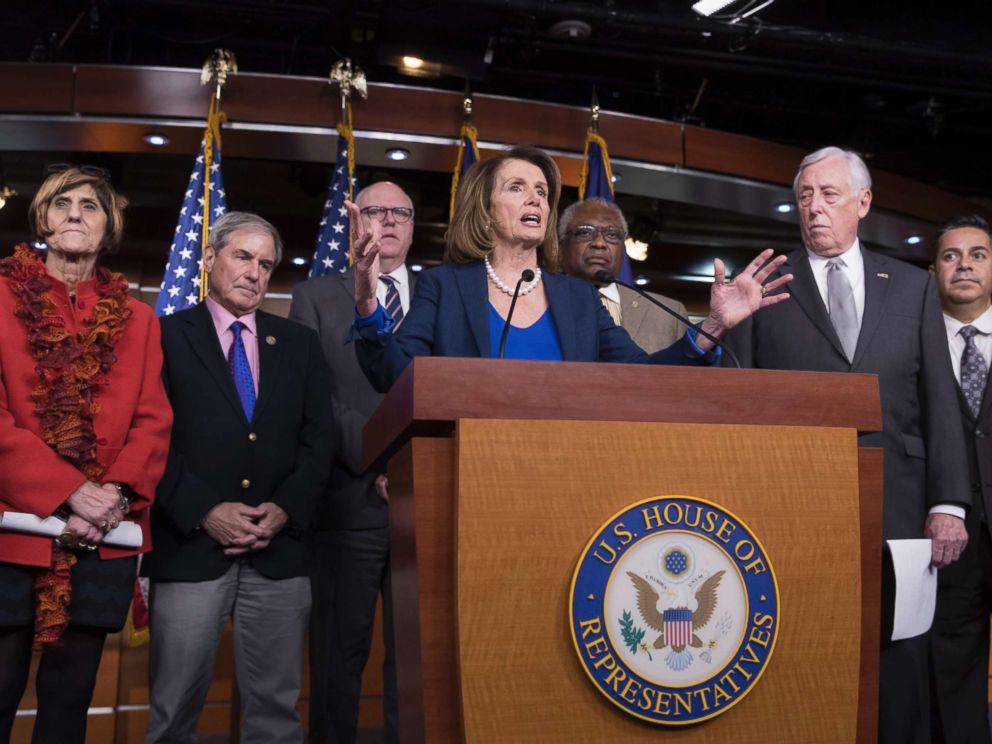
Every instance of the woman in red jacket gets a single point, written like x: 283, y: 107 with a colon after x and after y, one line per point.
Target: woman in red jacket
x: 84, y: 432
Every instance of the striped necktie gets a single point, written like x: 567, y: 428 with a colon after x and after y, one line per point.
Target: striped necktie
x: 237, y: 362
x: 393, y: 304
x: 613, y: 308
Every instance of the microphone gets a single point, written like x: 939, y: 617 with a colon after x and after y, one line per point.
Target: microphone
x: 525, y: 276
x: 605, y: 277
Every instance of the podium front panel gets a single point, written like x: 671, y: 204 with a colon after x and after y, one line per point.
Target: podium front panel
x: 530, y: 494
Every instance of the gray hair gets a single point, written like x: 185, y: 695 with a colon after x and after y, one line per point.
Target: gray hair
x: 222, y: 230
x: 860, y: 177
x: 565, y: 221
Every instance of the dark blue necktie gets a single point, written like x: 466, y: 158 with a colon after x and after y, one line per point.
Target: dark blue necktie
x: 393, y: 304
x: 237, y: 361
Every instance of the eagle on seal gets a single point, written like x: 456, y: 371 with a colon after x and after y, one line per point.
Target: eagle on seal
x: 647, y: 604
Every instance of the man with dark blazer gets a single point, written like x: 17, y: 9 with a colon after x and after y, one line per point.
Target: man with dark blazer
x: 249, y: 457
x: 959, y: 641
x: 591, y: 234
x: 856, y: 311
x: 351, y: 544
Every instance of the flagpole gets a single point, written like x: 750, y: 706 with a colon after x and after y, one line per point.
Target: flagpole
x: 467, y: 134
x: 217, y: 67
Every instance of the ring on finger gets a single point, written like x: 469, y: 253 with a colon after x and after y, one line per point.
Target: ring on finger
x: 103, y: 524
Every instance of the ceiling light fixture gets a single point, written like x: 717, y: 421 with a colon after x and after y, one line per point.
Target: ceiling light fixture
x: 416, y: 268
x: 397, y: 153
x: 616, y: 177
x: 709, y: 7
x: 298, y: 261
x: 414, y: 63
x: 156, y: 139
x: 913, y: 239
x: 641, y: 281
x: 785, y: 208
x: 636, y: 249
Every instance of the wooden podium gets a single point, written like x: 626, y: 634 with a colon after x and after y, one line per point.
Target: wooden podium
x: 500, y: 472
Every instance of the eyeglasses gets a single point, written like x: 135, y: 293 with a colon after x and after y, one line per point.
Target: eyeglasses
x: 586, y: 233
x: 87, y: 170
x: 400, y: 214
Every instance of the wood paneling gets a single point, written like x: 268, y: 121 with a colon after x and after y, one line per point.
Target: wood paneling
x: 31, y: 88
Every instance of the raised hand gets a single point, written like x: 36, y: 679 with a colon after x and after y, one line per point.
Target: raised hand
x: 366, y: 234
x: 733, y: 302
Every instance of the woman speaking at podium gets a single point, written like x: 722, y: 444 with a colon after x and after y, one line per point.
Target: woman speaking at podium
x: 502, y: 256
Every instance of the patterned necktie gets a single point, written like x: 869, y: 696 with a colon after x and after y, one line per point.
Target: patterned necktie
x: 974, y: 371
x: 613, y: 308
x: 840, y: 305
x: 393, y: 304
x: 237, y: 362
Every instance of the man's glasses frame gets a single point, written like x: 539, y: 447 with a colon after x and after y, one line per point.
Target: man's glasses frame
x: 377, y: 213
x: 587, y: 233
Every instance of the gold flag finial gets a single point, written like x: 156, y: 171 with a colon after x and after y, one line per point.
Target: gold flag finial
x: 594, y: 112
x: 6, y: 193
x: 349, y: 79
x: 467, y: 105
x: 218, y: 66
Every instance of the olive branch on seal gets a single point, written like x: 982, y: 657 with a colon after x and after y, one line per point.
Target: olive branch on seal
x: 633, y: 636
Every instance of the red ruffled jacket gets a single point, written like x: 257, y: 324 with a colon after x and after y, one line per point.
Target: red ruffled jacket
x: 132, y: 426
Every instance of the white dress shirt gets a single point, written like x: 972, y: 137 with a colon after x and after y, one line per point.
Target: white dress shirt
x: 402, y: 278
x: 854, y: 268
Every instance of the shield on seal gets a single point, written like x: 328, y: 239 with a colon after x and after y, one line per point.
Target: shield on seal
x: 678, y: 627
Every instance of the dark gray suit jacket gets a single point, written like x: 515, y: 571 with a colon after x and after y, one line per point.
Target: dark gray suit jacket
x: 327, y: 305
x: 902, y: 341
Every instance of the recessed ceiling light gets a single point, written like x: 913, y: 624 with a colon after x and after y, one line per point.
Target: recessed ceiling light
x: 414, y: 63
x: 785, y: 207
x: 416, y: 268
x: 617, y: 177
x: 913, y: 239
x: 709, y: 7
x: 641, y: 281
x: 397, y: 153
x: 298, y: 261
x: 156, y: 139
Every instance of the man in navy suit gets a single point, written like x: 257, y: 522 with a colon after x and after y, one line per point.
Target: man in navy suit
x: 857, y: 311
x: 249, y: 457
x: 959, y: 641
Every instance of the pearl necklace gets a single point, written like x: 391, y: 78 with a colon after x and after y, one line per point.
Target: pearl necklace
x: 500, y: 284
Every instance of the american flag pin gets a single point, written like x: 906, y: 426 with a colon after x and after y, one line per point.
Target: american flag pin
x: 270, y: 340
x: 882, y: 276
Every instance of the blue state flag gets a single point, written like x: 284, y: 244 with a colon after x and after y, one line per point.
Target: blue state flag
x: 331, y: 253
x: 596, y: 182
x: 203, y: 202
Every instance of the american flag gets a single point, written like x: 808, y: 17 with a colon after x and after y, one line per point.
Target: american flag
x: 596, y: 182
x: 181, y: 284
x: 333, y: 238
x: 678, y: 627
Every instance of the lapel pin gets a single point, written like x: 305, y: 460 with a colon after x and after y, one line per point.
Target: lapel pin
x: 882, y: 276
x: 634, y: 303
x: 270, y: 340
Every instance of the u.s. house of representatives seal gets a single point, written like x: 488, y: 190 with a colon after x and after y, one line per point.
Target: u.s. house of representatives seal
x: 674, y: 609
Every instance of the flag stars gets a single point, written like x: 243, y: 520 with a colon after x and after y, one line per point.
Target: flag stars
x: 191, y: 236
x: 338, y: 227
x: 192, y: 298
x: 173, y: 290
x: 179, y: 271
x: 186, y: 254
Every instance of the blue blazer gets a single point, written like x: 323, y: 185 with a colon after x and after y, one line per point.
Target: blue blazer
x: 449, y: 316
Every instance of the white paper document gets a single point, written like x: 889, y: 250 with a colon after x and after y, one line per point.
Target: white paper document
x: 124, y: 535
x: 916, y: 587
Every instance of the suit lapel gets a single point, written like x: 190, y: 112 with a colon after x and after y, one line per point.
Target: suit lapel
x: 471, y: 281
x: 560, y: 302
x: 876, y: 294
x: 272, y: 356
x: 806, y: 294
x: 632, y: 312
x: 203, y: 340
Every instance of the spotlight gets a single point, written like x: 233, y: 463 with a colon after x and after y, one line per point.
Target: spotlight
x: 641, y: 281
x: 156, y: 139
x: 414, y: 63
x: 636, y: 249
x: 298, y: 261
x: 913, y: 239
x: 785, y: 208
x: 416, y: 268
x: 397, y: 153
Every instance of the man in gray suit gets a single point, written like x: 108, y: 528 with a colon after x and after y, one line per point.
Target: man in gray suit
x: 592, y: 234
x: 351, y: 560
x: 962, y: 267
x: 857, y: 311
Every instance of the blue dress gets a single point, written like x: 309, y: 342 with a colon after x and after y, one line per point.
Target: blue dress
x: 538, y: 341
